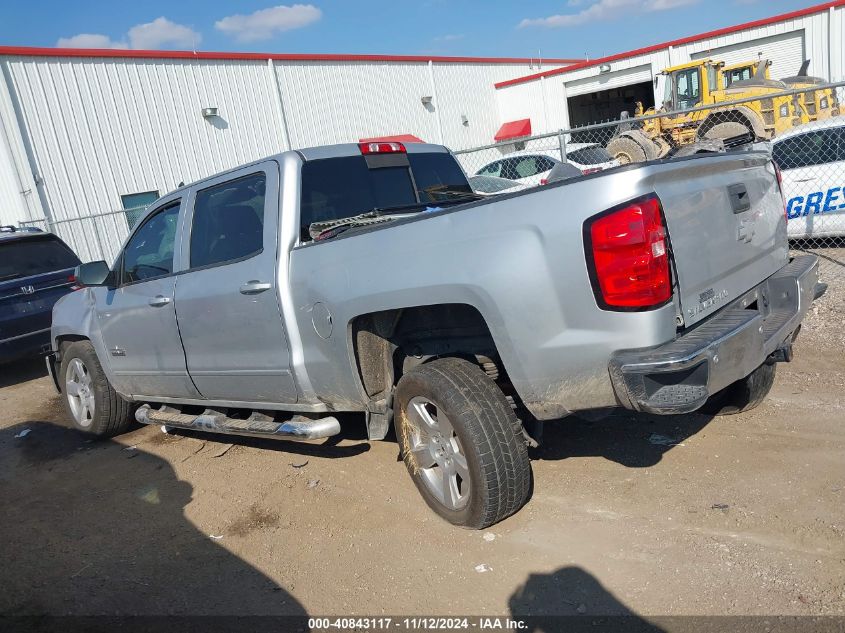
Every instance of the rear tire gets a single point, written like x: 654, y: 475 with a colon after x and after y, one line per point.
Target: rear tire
x: 462, y: 443
x: 728, y: 129
x: 93, y: 405
x: 744, y: 394
x: 626, y: 150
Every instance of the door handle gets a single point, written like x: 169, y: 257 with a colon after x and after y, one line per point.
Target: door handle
x: 253, y: 287
x: 159, y: 300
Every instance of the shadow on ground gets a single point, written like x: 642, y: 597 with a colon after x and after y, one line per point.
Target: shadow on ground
x: 91, y: 530
x: 572, y: 592
x: 19, y: 371
x: 630, y: 439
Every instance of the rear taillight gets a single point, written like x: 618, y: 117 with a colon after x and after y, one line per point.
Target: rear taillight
x: 779, y: 176
x: 74, y: 284
x: 629, y: 253
x: 383, y: 147
x: 544, y: 181
x: 590, y: 170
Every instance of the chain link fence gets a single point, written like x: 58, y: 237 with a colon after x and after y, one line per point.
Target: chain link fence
x: 96, y: 236
x: 804, y: 129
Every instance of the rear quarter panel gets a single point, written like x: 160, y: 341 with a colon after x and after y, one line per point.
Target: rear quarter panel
x: 518, y: 259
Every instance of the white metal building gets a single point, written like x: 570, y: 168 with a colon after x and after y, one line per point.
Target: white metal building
x: 85, y: 132
x: 599, y: 89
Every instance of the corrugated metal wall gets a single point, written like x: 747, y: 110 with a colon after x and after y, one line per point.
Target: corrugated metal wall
x: 100, y: 128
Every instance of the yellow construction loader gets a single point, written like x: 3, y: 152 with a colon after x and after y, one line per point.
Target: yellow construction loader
x: 700, y: 84
x: 820, y: 104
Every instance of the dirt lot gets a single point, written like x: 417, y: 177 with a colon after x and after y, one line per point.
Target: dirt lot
x: 655, y: 516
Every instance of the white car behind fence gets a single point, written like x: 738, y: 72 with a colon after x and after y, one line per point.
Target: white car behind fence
x: 812, y: 161
x: 532, y: 167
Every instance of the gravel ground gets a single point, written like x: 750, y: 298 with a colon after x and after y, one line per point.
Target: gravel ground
x: 682, y: 515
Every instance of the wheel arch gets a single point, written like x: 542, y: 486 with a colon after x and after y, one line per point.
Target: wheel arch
x: 389, y: 343
x: 739, y: 114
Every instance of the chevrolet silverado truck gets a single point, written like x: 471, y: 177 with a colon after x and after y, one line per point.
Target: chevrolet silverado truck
x: 369, y: 278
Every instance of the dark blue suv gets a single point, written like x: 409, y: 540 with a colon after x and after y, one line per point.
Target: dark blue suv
x: 36, y: 269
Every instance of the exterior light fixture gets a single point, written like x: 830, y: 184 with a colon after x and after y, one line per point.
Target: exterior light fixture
x: 604, y: 68
x: 426, y: 101
x: 209, y: 112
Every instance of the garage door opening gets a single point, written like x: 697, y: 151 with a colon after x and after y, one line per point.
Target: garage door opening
x: 606, y: 105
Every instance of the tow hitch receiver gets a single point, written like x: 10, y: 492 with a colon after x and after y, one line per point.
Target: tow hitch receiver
x: 782, y: 354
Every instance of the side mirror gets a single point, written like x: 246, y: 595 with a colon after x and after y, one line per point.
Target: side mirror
x: 92, y: 273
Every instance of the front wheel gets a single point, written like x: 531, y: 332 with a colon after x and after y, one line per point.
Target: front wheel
x: 94, y: 406
x: 461, y: 443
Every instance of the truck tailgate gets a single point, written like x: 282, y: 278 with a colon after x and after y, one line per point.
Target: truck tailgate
x: 726, y: 224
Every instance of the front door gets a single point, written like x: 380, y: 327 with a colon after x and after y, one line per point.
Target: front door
x: 227, y: 302
x: 137, y: 317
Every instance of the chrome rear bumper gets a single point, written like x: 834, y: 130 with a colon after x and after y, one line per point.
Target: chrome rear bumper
x: 759, y: 327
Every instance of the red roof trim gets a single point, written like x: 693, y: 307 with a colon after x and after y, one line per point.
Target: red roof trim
x: 396, y: 138
x: 684, y: 40
x: 97, y: 52
x: 513, y: 129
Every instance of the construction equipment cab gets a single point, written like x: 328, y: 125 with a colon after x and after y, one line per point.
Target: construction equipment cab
x: 820, y: 104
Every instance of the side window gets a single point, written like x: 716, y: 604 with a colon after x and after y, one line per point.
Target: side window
x: 688, y: 88
x: 526, y: 167
x: 509, y: 169
x: 228, y: 221
x: 813, y: 148
x: 149, y: 252
x: 493, y: 169
x: 544, y: 163
x: 784, y: 152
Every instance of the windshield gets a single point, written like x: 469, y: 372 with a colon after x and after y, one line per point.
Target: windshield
x: 34, y: 256
x: 687, y: 88
x: 335, y: 188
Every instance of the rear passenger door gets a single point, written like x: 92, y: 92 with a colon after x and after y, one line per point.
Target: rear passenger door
x: 226, y: 300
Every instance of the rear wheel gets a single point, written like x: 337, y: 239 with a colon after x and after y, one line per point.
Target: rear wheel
x: 462, y: 443
x: 94, y: 406
x: 744, y: 394
x: 626, y: 150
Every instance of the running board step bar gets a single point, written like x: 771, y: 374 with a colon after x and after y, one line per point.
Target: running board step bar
x: 256, y: 425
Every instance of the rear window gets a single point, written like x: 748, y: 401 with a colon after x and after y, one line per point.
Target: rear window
x: 335, y: 188
x: 590, y: 156
x: 34, y: 256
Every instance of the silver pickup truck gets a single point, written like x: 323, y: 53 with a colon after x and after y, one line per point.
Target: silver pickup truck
x: 369, y: 278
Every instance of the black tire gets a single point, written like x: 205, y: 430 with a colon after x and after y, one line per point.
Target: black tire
x: 744, y: 394
x: 111, y: 415
x: 626, y: 150
x: 485, y: 430
x: 727, y: 129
